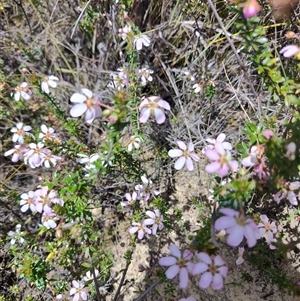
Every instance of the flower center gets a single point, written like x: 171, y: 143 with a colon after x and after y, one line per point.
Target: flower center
x: 181, y: 262
x: 89, y: 102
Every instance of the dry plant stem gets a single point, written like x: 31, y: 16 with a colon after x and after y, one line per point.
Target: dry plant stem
x: 79, y: 18
x: 128, y: 262
x: 152, y: 286
x: 236, y: 55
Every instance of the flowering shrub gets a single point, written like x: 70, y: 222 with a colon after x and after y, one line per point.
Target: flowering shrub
x: 89, y: 183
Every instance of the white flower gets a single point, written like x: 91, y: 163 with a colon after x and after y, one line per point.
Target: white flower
x: 20, y: 131
x: 186, y: 155
x: 133, y: 142
x: 86, y: 102
x: 49, y: 218
x: 78, y: 290
x: 141, y: 40
x: 145, y: 75
x: 89, y: 276
x: 267, y: 230
x: 153, y: 105
x: 49, y: 159
x: 22, y: 91
x: 49, y: 81
x: 156, y: 219
x: 198, y: 87
x: 28, y: 201
x: 16, y: 236
x: 34, y: 156
x: 189, y: 76
x: 131, y: 199
x: 123, y: 32
x: 47, y: 133
x: 146, y: 189
x: 17, y: 153
x: 120, y: 80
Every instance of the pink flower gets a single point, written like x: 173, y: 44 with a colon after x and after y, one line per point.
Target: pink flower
x: 221, y: 159
x: 178, y: 264
x: 18, y: 153
x: 28, y: 201
x: 45, y: 198
x: 49, y: 159
x: 237, y: 226
x: 49, y: 218
x: 47, y: 81
x: 146, y: 189
x: 212, y: 142
x: 267, y: 230
x: 20, y: 131
x: 156, y: 219
x: 140, y: 228
x: 251, y: 9
x: 289, y: 193
x: 153, y: 105
x: 186, y: 155
x: 214, y: 270
x: 86, y: 102
x: 123, y: 32
x: 256, y: 159
x: 34, y: 155
x: 120, y: 79
x: 290, y: 50
x: 240, y: 259
x: 78, y: 290
x: 131, y: 200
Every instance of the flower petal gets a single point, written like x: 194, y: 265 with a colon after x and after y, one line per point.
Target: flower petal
x: 175, y: 153
x: 183, y: 278
x: 78, y: 110
x: 179, y: 163
x: 205, y: 280
x: 167, y: 261
x: 145, y: 114
x: 172, y: 271
x: 175, y: 251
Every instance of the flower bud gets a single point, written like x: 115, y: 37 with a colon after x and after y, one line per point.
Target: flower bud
x: 251, y: 9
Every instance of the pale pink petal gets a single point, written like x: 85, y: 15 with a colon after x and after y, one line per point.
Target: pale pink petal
x: 175, y: 153
x: 145, y: 114
x: 249, y: 161
x: 219, y: 148
x: 163, y: 104
x: 172, y: 271
x: 187, y: 254
x: 175, y: 251
x: 75, y: 283
x: 189, y: 164
x: 264, y: 218
x: 195, y: 157
x: 217, y: 282
x: 223, y: 171
x: 221, y: 137
x: 148, y: 221
x: 229, y: 212
x: 212, y: 155
x: 181, y: 145
x: 150, y: 214
x: 167, y: 261
x: 78, y: 98
x: 76, y: 297
x: 179, y: 163
x: 159, y: 115
x: 204, y: 257
x: 183, y: 278
x: 73, y: 291
x: 87, y: 92
x: 227, y: 145
x: 90, y: 115
x: 133, y: 230
x: 234, y: 165
x: 223, y: 271
x: 250, y: 235
x: 199, y: 268
x: 218, y: 260
x: 141, y: 234
x: 145, y: 102
x: 212, y: 167
x: 83, y: 295
x: 205, y: 280
x: 78, y: 110
x: 236, y: 235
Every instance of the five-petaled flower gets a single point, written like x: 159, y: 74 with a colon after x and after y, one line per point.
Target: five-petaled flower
x: 17, y: 152
x: 237, y: 226
x: 47, y: 81
x: 141, y: 40
x: 145, y: 75
x: 156, y: 220
x: 86, y: 102
x: 16, y: 236
x: 22, y: 91
x: 146, y: 189
x: 133, y: 142
x: 20, y: 131
x: 267, y: 230
x: 186, y: 155
x: 221, y: 138
x: 153, y: 105
x: 78, y: 290
x: 28, y: 201
x: 214, y: 271
x: 131, y: 200
x: 140, y: 228
x: 47, y: 133
x: 221, y: 159
x: 178, y: 263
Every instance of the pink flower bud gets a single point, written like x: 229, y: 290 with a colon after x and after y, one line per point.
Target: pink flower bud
x: 251, y: 9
